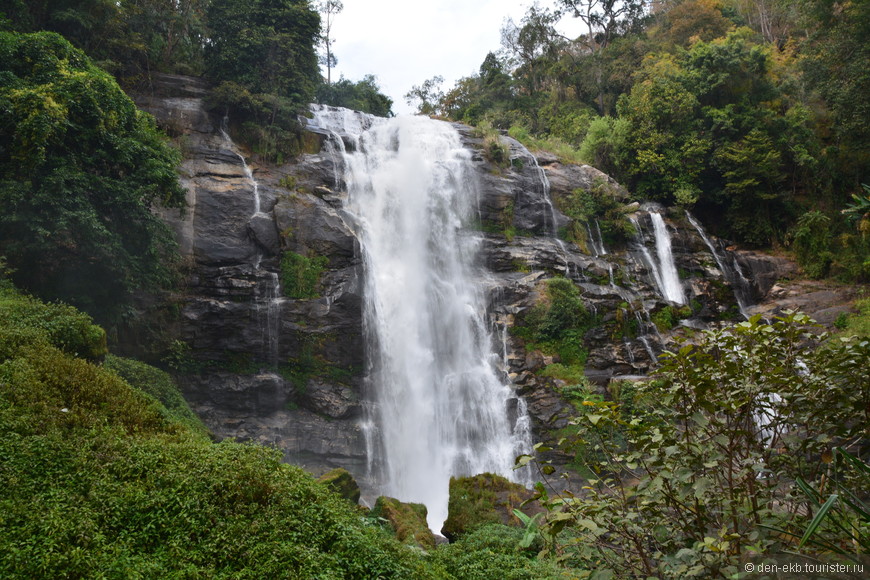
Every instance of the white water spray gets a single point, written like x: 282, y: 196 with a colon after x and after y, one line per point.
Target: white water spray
x: 734, y: 275
x: 663, y: 267
x: 438, y: 405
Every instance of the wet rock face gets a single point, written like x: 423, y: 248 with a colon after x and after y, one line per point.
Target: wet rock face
x: 289, y: 371
x: 267, y: 368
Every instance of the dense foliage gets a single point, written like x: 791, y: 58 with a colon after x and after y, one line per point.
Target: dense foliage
x: 101, y: 479
x: 80, y: 170
x: 728, y: 455
x: 362, y: 96
x: 261, y: 53
x: 753, y: 113
x: 557, y: 322
x: 107, y: 472
x: 129, y: 39
x: 267, y: 46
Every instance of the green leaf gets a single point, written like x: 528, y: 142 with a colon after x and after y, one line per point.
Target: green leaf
x: 817, y: 521
x: 522, y: 517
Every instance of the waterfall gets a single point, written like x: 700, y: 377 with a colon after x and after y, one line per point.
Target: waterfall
x: 437, y: 404
x: 595, y: 240
x: 742, y: 286
x: 663, y: 267
x: 553, y: 226
x: 267, y: 289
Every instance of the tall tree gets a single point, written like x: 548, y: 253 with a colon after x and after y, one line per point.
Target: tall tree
x: 266, y: 46
x: 531, y: 44
x: 836, y: 65
x: 329, y: 9
x: 604, y: 19
x: 427, y: 96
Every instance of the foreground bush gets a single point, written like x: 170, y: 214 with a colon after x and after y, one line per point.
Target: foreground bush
x: 730, y: 454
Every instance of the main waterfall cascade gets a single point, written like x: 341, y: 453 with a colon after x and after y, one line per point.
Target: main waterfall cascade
x: 438, y: 404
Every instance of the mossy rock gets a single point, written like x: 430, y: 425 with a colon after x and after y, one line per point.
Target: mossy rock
x: 408, y: 521
x: 342, y: 482
x: 484, y: 499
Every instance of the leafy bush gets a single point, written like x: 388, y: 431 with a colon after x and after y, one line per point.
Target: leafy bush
x: 811, y: 242
x: 668, y: 317
x: 492, y: 551
x: 474, y: 500
x: 494, y: 149
x: 704, y: 472
x: 566, y: 152
x: 300, y: 275
x: 859, y: 324
x: 158, y: 384
x: 598, y: 204
x: 407, y: 520
x: 27, y: 322
x: 556, y: 324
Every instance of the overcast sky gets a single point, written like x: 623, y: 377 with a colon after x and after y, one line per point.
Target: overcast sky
x: 405, y: 42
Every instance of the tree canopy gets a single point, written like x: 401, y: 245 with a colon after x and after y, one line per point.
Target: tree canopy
x: 266, y: 46
x: 752, y: 113
x: 80, y: 170
x: 362, y: 96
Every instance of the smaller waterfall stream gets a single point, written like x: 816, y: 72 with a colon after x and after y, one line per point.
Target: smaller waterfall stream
x: 663, y: 268
x: 596, y: 242
x: 553, y: 225
x: 267, y: 290
x: 742, y: 286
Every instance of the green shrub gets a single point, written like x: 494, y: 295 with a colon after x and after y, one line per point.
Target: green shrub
x: 668, y: 317
x: 300, y: 275
x: 407, y: 520
x: 159, y: 385
x: 811, y: 242
x: 58, y: 324
x: 596, y: 204
x: 479, y: 500
x: 566, y: 152
x: 695, y: 476
x: 492, y: 551
x: 556, y: 324
x: 494, y: 149
x: 859, y: 324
